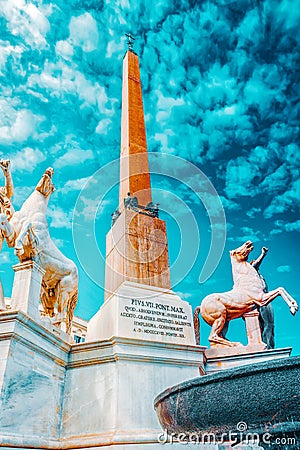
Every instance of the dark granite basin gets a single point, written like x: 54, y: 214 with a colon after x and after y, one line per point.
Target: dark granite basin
x: 264, y: 396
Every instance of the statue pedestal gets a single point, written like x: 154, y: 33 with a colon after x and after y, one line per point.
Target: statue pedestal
x: 96, y: 394
x: 141, y: 339
x: 26, y: 288
x: 253, y: 329
x: 33, y: 365
x: 143, y: 312
x: 218, y: 359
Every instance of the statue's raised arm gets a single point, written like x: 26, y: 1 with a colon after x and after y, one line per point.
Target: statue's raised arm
x: 6, y: 194
x: 257, y: 262
x: 7, y: 191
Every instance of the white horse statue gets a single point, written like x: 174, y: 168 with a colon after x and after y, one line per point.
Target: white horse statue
x: 247, y: 294
x: 27, y: 231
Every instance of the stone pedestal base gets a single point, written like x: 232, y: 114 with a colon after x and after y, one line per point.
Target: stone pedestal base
x: 26, y: 288
x: 115, y: 382
x: 253, y: 329
x: 143, y: 312
x: 218, y: 359
x: 97, y: 394
x: 32, y: 373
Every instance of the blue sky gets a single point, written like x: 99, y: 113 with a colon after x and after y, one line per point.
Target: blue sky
x: 221, y: 90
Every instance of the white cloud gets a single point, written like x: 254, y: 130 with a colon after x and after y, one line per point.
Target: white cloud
x: 27, y: 159
x: 282, y: 203
x: 229, y: 205
x: 253, y: 212
x: 4, y: 257
x: 247, y: 234
x: 59, y: 218
x: 18, y: 126
x: 62, y: 78
x: 282, y: 269
x: 11, y: 51
x: 103, y: 126
x: 26, y: 20
x: 239, y: 178
x: 84, y: 32
x: 292, y: 226
x: 74, y: 156
x: 281, y: 226
x: 113, y: 47
x: 184, y: 295
x: 165, y: 105
x: 21, y: 194
x: 163, y: 138
x: 90, y: 208
x: 74, y: 185
x: 58, y: 242
x: 64, y: 49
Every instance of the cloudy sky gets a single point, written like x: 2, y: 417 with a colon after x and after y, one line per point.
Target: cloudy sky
x: 221, y: 90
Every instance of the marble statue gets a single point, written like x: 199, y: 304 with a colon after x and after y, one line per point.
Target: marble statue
x: 151, y: 209
x: 247, y: 294
x: 6, y: 194
x: 266, y: 313
x: 27, y: 231
x: 7, y: 191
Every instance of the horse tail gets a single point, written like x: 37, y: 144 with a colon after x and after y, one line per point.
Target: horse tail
x: 70, y: 311
x: 197, y: 325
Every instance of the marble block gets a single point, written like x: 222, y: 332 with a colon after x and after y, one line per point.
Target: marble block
x: 32, y: 384
x: 137, y: 251
x: 26, y: 288
x: 59, y: 396
x: 111, y: 385
x: 143, y: 312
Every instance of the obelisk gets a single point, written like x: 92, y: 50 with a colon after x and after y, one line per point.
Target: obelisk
x: 134, y: 166
x: 136, y: 245
x: 139, y: 303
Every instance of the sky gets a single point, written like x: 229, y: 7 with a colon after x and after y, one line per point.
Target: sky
x: 221, y: 91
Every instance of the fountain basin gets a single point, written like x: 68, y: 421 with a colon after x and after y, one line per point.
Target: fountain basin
x: 264, y: 397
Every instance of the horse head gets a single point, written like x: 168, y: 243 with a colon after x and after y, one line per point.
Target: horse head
x: 241, y: 253
x: 45, y: 185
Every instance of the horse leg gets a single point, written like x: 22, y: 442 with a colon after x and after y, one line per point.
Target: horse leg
x: 289, y: 300
x: 225, y: 330
x: 56, y: 296
x: 66, y: 307
x: 293, y: 305
x: 47, y: 301
x: 19, y: 242
x: 72, y: 302
x: 215, y: 336
x: 69, y: 296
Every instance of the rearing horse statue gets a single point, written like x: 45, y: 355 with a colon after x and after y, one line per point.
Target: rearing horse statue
x: 27, y: 231
x: 247, y: 293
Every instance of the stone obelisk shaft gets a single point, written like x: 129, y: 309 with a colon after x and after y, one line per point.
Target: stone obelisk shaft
x: 136, y: 245
x: 134, y: 167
